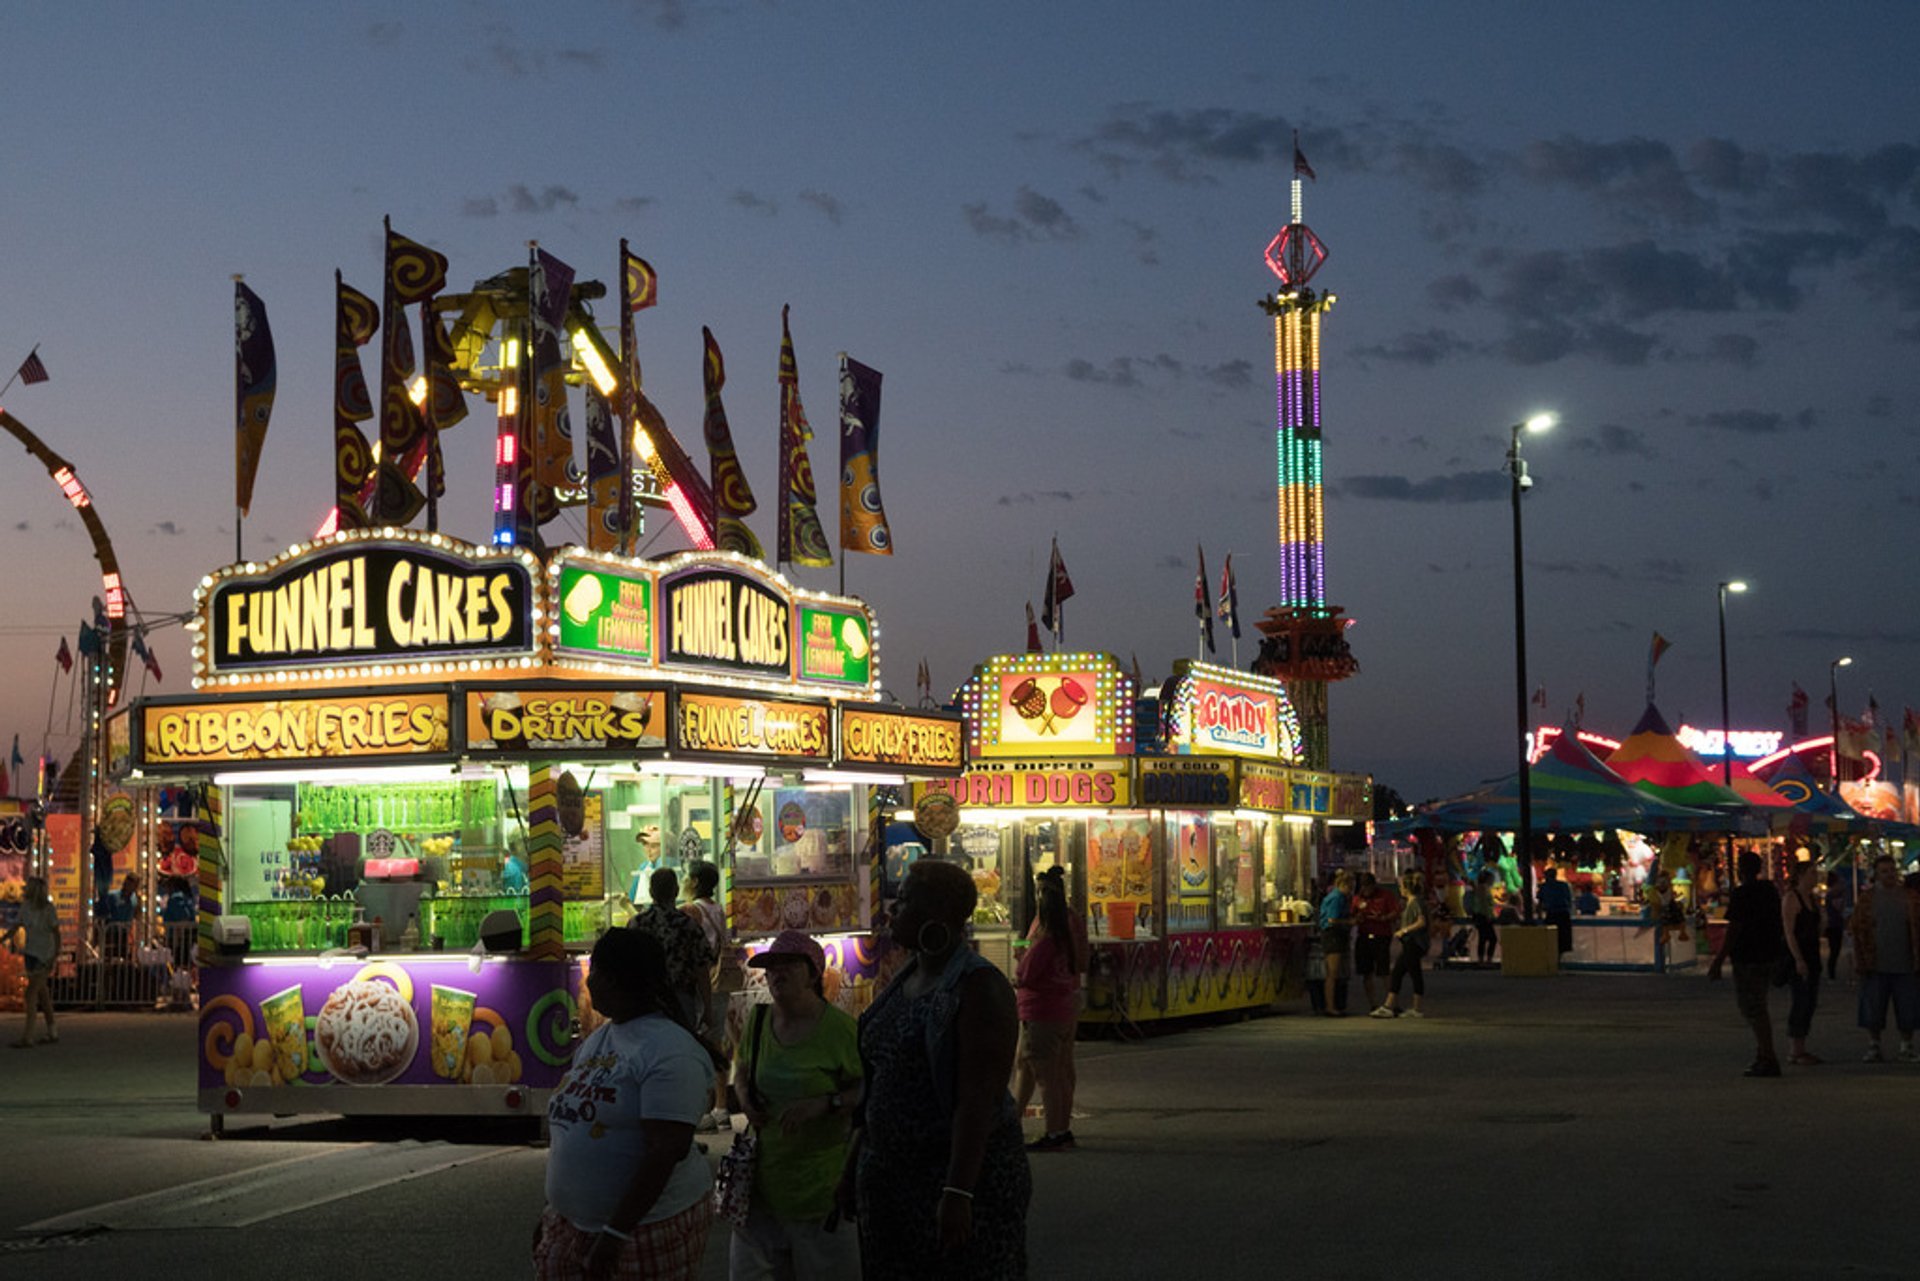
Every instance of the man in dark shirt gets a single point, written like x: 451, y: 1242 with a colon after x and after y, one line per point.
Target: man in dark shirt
x: 1755, y: 941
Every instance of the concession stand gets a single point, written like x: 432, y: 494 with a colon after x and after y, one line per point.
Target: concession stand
x: 1184, y: 829
x: 427, y: 774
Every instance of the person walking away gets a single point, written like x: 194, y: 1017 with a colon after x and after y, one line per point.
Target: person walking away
x: 1801, y: 923
x: 1556, y: 905
x: 628, y: 1193
x: 39, y: 928
x: 797, y: 1077
x: 1886, y: 957
x: 1755, y: 941
x: 689, y: 964
x: 938, y: 1177
x: 1335, y: 920
x: 1045, y: 987
x: 1069, y: 1076
x: 1480, y: 907
x: 1834, y: 905
x: 1374, y: 912
x: 122, y: 910
x: 724, y: 977
x: 1410, y: 941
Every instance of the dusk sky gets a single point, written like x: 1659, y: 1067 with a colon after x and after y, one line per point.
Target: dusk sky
x: 1691, y: 230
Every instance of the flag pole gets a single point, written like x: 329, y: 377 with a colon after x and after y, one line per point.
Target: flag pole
x: 238, y: 518
x: 1233, y: 623
x: 16, y: 373
x: 842, y: 549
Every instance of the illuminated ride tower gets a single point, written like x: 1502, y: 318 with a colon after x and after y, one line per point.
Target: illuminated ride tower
x: 1303, y: 638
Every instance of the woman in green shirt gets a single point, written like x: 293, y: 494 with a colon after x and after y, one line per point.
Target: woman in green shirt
x: 797, y: 1079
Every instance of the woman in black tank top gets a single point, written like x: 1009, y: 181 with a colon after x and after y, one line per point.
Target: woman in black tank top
x: 1803, y: 942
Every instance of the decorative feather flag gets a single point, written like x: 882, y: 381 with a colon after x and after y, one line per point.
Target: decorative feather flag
x: 1229, y: 598
x: 1797, y: 712
x: 64, y: 657
x: 1033, y: 631
x: 1300, y: 166
x: 145, y: 655
x: 924, y: 681
x: 1658, y: 646
x: 355, y: 319
x: 678, y: 477
x: 606, y: 479
x: 1200, y: 609
x: 414, y: 274
x: 550, y: 286
x: 1053, y: 614
x: 863, y: 521
x: 253, y: 375
x: 801, y: 540
x: 732, y: 496
x: 443, y: 404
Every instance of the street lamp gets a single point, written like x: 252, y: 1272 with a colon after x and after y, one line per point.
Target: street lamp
x: 1517, y: 467
x: 1833, y: 710
x: 1726, y: 734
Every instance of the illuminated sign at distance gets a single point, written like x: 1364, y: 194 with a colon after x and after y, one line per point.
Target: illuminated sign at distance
x: 721, y: 618
x: 573, y: 719
x: 835, y: 646
x: 750, y: 727
x: 900, y: 739
x: 293, y: 729
x: 606, y: 614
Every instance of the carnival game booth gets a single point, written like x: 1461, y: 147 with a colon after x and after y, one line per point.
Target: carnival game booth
x: 1192, y: 862
x: 428, y: 774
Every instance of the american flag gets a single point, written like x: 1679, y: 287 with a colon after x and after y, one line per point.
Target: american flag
x: 32, y: 369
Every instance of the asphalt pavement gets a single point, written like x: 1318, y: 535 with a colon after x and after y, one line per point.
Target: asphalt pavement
x: 1578, y: 1126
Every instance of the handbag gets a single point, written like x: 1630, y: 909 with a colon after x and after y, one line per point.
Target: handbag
x: 733, y: 1178
x: 1784, y: 970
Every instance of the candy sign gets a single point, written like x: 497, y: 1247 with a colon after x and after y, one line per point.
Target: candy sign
x: 1227, y: 719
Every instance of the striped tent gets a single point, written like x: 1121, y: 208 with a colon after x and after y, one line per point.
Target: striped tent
x: 1654, y: 760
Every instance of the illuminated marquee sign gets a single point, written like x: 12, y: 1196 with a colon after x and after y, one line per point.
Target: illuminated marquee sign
x: 256, y: 731
x: 356, y: 599
x: 506, y: 720
x: 1220, y: 711
x: 1748, y: 744
x: 751, y: 727
x: 1186, y: 783
x: 835, y: 645
x: 904, y: 740
x: 1101, y: 784
x: 1071, y: 705
x: 724, y: 619
x: 605, y: 613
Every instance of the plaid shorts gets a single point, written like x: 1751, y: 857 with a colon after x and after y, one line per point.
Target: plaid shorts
x: 669, y: 1250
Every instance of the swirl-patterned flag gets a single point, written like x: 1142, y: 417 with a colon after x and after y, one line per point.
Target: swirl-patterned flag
x: 607, y: 477
x: 671, y: 467
x: 550, y: 289
x: 802, y: 541
x: 356, y: 317
x: 863, y: 521
x: 253, y: 368
x: 732, y: 497
x: 414, y: 274
x: 443, y: 404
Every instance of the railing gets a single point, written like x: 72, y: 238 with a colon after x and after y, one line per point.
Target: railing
x: 127, y: 967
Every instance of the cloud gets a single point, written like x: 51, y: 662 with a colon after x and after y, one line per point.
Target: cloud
x: 22, y: 526
x: 1027, y: 498
x: 1144, y: 371
x: 385, y: 34
x: 1456, y: 487
x: 1733, y: 349
x: 1426, y: 348
x: 479, y: 207
x: 1753, y: 422
x: 1578, y: 568
x: 633, y: 204
x: 668, y: 15
x: 753, y: 202
x: 1637, y: 178
x: 826, y: 204
x: 1146, y: 242
x: 1035, y: 217
x: 1613, y: 440
x: 522, y: 199
x: 169, y: 528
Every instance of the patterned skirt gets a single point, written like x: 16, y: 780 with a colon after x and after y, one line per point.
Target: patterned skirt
x: 670, y: 1250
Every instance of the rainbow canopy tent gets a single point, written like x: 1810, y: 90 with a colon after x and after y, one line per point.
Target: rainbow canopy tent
x: 1790, y: 778
x: 1654, y: 760
x: 1571, y: 791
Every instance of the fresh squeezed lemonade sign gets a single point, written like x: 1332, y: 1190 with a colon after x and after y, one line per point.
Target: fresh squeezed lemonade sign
x: 606, y: 614
x: 835, y: 646
x: 293, y: 729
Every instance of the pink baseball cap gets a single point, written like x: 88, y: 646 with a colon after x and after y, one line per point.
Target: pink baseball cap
x: 792, y: 943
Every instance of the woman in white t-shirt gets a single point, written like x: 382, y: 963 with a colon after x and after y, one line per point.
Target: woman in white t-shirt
x: 628, y: 1193
x: 40, y: 925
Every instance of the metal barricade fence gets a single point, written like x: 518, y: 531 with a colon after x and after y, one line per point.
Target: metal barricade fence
x: 128, y: 967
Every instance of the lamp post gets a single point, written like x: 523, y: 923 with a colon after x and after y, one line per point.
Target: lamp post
x: 1833, y: 710
x: 1726, y: 733
x: 1523, y: 853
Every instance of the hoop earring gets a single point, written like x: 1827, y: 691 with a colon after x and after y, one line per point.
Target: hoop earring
x: 946, y: 936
